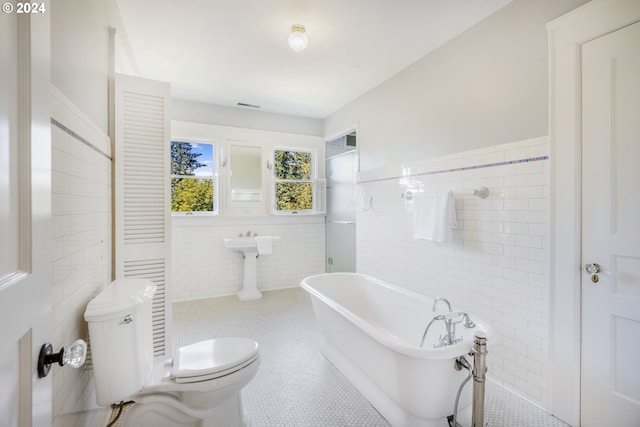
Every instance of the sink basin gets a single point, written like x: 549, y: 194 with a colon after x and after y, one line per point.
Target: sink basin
x: 249, y: 247
x: 246, y: 244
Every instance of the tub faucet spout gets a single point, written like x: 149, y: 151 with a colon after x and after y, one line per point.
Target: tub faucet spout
x: 446, y: 301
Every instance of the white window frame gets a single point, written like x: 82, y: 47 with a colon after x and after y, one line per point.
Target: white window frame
x: 317, y: 185
x: 213, y: 178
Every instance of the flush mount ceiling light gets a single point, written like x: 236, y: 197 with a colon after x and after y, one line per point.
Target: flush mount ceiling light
x: 298, y: 39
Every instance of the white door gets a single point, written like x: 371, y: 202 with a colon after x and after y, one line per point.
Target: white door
x: 25, y: 213
x: 611, y: 230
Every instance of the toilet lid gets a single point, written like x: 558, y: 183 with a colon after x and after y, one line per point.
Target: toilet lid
x: 204, y: 359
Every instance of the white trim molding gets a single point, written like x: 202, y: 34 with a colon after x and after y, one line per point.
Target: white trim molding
x: 567, y: 34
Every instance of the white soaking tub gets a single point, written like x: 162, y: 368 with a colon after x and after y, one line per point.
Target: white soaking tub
x: 371, y: 333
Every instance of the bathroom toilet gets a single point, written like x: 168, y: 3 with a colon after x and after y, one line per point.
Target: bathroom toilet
x: 200, y: 386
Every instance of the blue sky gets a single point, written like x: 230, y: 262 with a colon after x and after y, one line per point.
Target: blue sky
x: 206, y: 151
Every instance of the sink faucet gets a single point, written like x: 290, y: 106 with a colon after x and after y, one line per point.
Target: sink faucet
x: 435, y: 302
x: 248, y: 234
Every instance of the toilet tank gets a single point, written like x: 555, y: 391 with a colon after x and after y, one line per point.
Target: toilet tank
x: 120, y: 336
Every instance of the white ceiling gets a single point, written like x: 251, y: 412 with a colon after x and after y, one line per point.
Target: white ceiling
x: 228, y: 51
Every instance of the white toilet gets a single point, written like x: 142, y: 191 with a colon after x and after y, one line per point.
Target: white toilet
x: 199, y: 387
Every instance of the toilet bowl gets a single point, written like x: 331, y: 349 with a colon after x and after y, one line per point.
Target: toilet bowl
x: 200, y: 386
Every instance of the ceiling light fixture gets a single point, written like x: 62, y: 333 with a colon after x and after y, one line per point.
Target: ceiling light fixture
x: 298, y: 39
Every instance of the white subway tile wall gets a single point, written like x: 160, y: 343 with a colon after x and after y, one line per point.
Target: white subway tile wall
x: 81, y: 255
x: 498, y: 262
x: 203, y: 268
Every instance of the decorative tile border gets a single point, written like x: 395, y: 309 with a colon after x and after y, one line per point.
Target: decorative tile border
x: 78, y: 137
x: 458, y: 169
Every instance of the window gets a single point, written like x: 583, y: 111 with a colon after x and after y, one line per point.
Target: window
x: 296, y: 189
x: 193, y: 178
x: 350, y: 141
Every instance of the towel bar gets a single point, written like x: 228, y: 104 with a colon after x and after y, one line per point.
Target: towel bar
x: 481, y: 192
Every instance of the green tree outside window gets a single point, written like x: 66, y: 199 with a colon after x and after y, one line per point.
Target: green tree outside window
x: 192, y: 184
x: 294, y: 180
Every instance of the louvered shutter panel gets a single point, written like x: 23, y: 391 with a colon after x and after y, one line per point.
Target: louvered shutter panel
x: 142, y: 202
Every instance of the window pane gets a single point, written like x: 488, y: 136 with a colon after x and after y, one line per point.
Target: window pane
x: 191, y: 195
x: 190, y: 158
x: 294, y: 196
x: 292, y: 164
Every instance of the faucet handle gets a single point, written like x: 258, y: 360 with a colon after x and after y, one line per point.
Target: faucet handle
x: 468, y: 323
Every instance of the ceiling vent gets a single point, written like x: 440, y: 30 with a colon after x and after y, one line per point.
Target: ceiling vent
x: 244, y: 104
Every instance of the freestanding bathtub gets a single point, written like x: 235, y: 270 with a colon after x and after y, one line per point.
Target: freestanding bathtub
x: 371, y: 333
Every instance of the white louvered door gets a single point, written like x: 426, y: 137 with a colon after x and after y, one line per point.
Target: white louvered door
x: 142, y: 193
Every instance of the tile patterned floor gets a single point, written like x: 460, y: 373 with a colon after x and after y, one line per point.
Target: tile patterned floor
x: 296, y: 386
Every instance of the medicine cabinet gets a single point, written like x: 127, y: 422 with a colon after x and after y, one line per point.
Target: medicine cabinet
x: 244, y: 176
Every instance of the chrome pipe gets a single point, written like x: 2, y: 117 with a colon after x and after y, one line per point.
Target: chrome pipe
x: 479, y: 370
x: 460, y: 362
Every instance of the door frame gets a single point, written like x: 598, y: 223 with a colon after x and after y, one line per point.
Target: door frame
x: 333, y: 137
x: 567, y: 34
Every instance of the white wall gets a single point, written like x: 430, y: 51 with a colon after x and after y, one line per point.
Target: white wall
x: 81, y: 257
x: 498, y: 263
x: 191, y: 111
x: 80, y: 53
x: 487, y: 86
x: 201, y: 266
x: 81, y: 163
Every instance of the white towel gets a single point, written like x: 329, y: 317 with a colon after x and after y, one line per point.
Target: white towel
x: 264, y: 245
x: 434, y: 215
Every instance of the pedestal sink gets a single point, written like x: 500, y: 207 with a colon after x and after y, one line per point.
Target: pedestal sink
x: 249, y: 247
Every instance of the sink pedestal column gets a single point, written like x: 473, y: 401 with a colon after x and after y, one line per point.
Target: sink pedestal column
x: 249, y: 291
x: 249, y: 248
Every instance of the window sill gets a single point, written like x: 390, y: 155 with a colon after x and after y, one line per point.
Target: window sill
x: 219, y: 220
x: 194, y: 214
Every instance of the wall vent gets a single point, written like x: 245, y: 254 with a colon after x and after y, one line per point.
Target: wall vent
x: 244, y: 104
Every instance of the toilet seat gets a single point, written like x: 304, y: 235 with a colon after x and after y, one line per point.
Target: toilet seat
x: 206, y: 360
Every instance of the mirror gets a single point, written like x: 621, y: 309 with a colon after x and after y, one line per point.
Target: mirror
x: 245, y: 174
